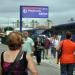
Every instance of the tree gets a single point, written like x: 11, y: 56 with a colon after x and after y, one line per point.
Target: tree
x: 23, y: 24
x: 33, y: 23
x: 0, y: 29
x: 71, y: 19
x: 36, y: 23
x: 18, y: 23
x: 49, y: 22
x: 8, y: 28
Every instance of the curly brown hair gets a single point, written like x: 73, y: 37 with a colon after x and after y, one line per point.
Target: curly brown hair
x: 15, y: 40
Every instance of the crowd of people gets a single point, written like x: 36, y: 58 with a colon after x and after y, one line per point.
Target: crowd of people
x: 22, y: 48
x: 14, y: 61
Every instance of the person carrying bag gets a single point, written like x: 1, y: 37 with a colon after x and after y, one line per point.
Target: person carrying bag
x: 14, y: 61
x: 59, y: 53
x: 67, y: 58
x: 12, y: 65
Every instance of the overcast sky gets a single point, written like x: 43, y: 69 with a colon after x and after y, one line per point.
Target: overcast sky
x: 60, y: 11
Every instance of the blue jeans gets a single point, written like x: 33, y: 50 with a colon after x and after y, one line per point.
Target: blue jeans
x: 66, y: 69
x: 53, y: 51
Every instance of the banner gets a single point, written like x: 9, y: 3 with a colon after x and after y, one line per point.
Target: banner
x: 34, y: 11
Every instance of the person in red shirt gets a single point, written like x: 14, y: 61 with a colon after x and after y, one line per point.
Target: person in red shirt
x: 67, y: 58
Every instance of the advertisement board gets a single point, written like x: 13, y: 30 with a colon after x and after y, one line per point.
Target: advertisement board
x: 34, y: 11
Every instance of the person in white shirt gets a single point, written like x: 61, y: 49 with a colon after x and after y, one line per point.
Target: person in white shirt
x: 54, y: 42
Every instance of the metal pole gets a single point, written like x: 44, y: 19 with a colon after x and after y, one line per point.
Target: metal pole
x: 20, y: 18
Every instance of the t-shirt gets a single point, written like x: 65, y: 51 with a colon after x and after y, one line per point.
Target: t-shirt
x: 27, y: 46
x: 55, y: 42
x: 68, y: 50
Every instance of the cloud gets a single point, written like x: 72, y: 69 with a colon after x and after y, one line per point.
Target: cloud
x: 59, y: 10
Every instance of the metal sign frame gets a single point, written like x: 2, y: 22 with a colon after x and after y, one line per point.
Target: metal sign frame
x: 37, y: 11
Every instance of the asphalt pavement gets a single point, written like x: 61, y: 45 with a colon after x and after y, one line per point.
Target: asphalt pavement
x: 47, y: 66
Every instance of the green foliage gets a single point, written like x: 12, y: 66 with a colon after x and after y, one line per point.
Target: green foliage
x: 8, y: 28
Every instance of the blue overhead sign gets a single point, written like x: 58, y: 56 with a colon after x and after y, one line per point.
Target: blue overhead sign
x: 34, y: 11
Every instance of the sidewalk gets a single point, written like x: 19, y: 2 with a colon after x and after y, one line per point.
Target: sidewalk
x: 50, y: 61
x: 47, y: 67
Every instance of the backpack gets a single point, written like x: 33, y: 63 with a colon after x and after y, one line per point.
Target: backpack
x: 47, y: 43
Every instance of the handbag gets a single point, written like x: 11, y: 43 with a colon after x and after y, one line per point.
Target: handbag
x: 60, y: 51
x: 12, y: 65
